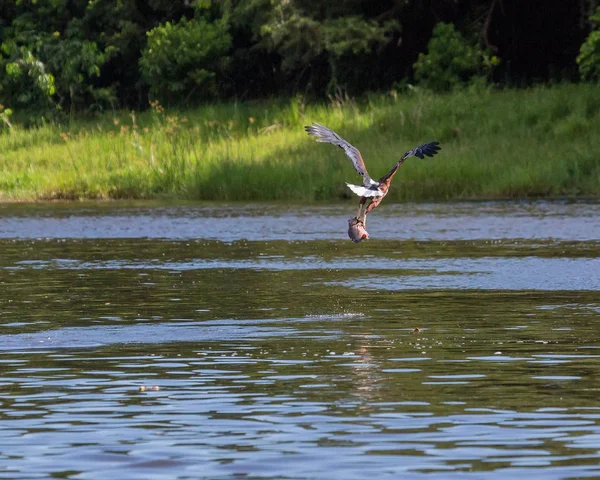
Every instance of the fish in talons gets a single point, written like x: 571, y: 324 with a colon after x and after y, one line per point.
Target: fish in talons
x: 357, y: 230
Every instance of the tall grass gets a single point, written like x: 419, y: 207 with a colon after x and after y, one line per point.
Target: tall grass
x: 542, y: 141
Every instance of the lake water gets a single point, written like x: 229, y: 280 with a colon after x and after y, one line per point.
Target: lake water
x: 157, y: 341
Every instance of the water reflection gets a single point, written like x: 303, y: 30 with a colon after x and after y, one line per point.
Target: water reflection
x: 266, y: 407
x: 259, y: 222
x: 473, y: 354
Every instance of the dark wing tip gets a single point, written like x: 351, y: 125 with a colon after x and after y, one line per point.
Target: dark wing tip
x: 428, y: 149
x: 312, y: 129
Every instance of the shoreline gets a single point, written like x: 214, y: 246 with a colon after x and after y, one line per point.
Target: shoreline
x: 539, y: 142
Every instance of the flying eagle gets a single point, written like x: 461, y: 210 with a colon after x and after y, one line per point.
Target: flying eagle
x: 370, y: 189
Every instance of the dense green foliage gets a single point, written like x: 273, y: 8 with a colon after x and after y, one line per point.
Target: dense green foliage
x: 589, y: 56
x: 182, y: 59
x: 58, y: 57
x: 26, y: 82
x: 451, y: 61
x: 534, y: 142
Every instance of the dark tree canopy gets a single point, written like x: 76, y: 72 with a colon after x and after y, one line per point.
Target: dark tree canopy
x: 86, y: 54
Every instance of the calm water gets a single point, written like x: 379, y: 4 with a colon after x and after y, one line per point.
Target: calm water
x: 200, y: 341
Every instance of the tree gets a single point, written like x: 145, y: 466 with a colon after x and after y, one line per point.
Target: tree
x: 318, y: 43
x: 451, y: 61
x: 589, y: 54
x: 182, y: 59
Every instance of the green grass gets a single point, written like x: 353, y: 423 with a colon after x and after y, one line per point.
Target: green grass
x: 542, y: 141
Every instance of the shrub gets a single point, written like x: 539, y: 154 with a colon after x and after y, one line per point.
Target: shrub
x: 50, y: 72
x: 76, y: 64
x: 26, y: 81
x: 451, y: 61
x: 589, y: 53
x: 182, y: 59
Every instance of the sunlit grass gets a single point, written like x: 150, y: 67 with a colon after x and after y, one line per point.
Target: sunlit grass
x: 536, y: 142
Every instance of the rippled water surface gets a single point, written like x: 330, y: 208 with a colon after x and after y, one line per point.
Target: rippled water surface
x: 256, y: 341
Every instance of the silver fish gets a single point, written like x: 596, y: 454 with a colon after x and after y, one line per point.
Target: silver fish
x: 356, y: 230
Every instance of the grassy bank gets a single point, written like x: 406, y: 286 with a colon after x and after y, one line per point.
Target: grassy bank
x: 542, y: 141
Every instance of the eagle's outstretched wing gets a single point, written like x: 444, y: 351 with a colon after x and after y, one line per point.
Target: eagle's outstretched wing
x: 323, y: 134
x: 426, y: 150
